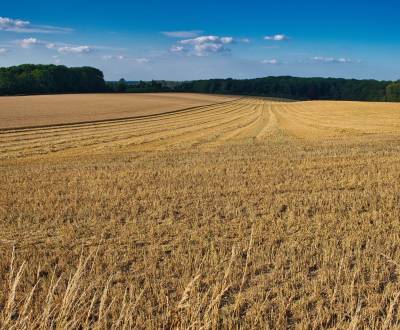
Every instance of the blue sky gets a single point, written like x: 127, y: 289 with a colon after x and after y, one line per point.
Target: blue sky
x: 179, y: 40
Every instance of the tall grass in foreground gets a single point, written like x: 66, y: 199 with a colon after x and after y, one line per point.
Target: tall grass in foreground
x: 81, y: 301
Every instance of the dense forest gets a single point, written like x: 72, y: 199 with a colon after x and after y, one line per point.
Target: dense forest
x: 51, y: 79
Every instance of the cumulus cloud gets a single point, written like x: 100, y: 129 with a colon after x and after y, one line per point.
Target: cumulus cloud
x: 204, y: 49
x: 205, y: 45
x: 273, y: 61
x: 182, y: 34
x: 339, y: 60
x: 227, y: 40
x: 21, y: 26
x: 27, y: 43
x: 75, y: 49
x: 3, y: 51
x: 205, y: 39
x: 277, y: 37
x: 61, y: 48
x: 9, y: 24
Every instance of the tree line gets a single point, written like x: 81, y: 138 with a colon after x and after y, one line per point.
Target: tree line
x: 300, y: 88
x: 278, y: 87
x: 123, y: 86
x: 50, y: 79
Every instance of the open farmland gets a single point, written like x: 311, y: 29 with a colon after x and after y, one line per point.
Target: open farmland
x: 28, y: 111
x: 242, y: 213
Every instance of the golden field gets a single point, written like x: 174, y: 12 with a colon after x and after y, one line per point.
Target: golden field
x: 31, y: 111
x: 245, y: 213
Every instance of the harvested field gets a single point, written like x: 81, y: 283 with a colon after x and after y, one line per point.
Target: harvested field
x: 246, y: 214
x: 27, y: 111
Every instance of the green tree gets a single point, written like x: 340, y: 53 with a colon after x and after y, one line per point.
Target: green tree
x: 393, y: 92
x: 121, y: 86
x: 48, y: 79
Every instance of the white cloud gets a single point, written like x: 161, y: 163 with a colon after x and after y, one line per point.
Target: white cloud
x: 113, y: 57
x: 177, y: 49
x: 226, y: 40
x: 18, y: 25
x: 182, y: 34
x: 273, y: 61
x: 204, y: 45
x: 63, y: 48
x: 277, y: 37
x: 75, y: 49
x: 204, y: 49
x: 245, y: 40
x: 339, y: 60
x: 3, y: 51
x: 8, y: 24
x: 26, y: 43
x: 206, y: 39
x: 142, y: 60
x: 70, y: 49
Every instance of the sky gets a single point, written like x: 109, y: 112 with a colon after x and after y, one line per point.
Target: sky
x: 184, y: 40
